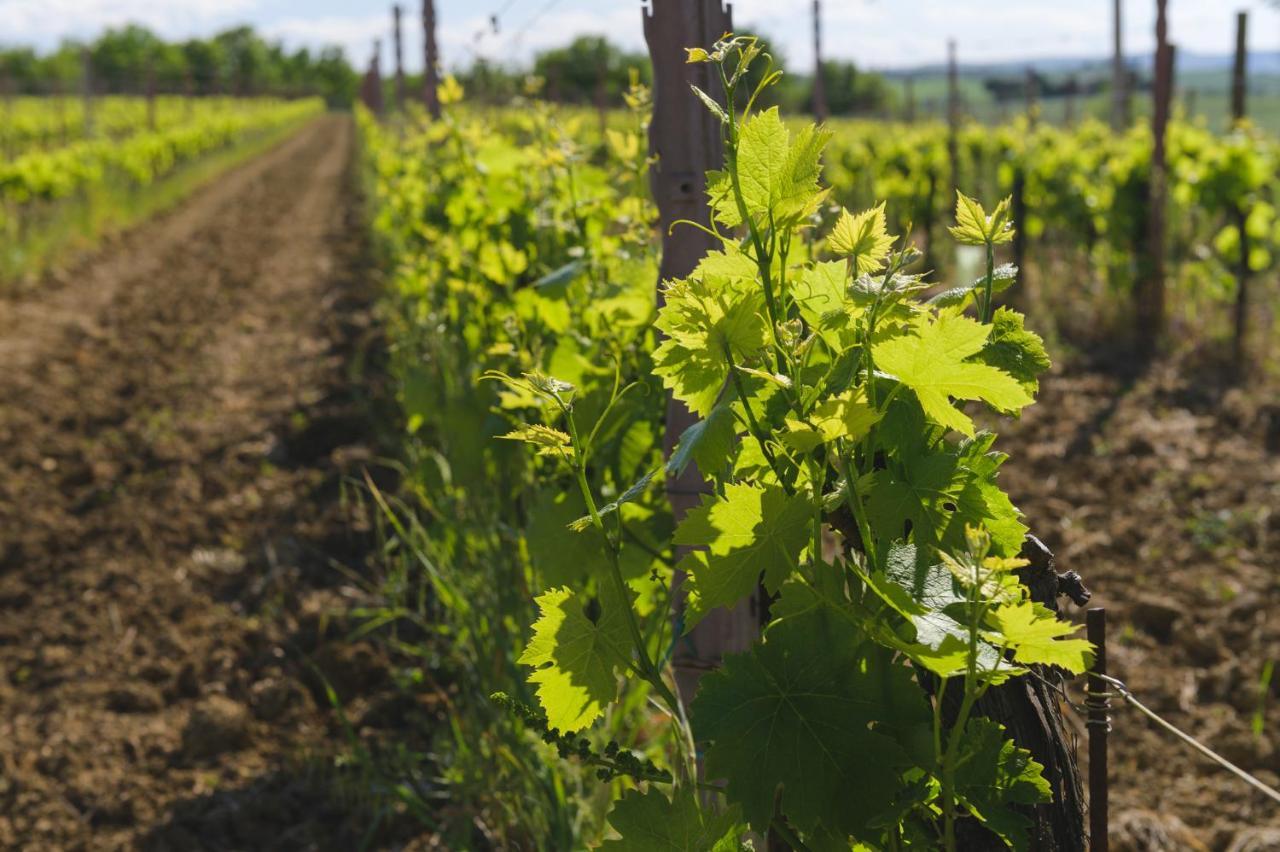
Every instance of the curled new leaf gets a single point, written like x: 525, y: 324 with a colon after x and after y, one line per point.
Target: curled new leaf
x: 975, y: 228
x: 863, y: 239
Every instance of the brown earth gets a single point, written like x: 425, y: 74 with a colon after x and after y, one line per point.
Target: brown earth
x: 1163, y: 491
x: 182, y: 412
x: 179, y: 421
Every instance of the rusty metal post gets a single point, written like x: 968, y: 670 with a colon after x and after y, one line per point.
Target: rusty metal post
x: 431, y: 68
x: 685, y: 140
x: 1098, y: 702
x: 1119, y: 75
x: 821, y: 112
x: 396, y: 13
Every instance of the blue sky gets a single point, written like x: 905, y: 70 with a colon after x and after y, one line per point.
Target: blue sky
x: 877, y: 33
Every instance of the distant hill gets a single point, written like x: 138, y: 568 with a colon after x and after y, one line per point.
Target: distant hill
x: 1261, y: 63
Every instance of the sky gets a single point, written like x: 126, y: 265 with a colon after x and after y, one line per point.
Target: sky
x: 884, y: 34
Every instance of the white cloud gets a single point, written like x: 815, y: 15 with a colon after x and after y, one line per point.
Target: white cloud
x: 45, y: 22
x: 355, y: 35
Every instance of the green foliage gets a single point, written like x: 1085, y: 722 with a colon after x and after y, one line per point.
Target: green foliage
x: 576, y: 647
x: 749, y: 533
x: 808, y: 718
x: 846, y: 476
x: 236, y: 61
x: 933, y: 362
x: 650, y: 822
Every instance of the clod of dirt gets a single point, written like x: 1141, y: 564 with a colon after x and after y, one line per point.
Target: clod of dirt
x: 217, y: 725
x: 273, y: 698
x: 1155, y: 615
x: 1202, y: 646
x: 1244, y: 749
x: 1256, y: 840
x: 135, y: 698
x: 352, y: 669
x: 1146, y: 831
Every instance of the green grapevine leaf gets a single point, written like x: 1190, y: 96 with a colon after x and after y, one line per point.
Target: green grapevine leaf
x: 795, y: 713
x: 916, y: 493
x: 706, y: 314
x: 707, y: 443
x: 821, y: 295
x: 550, y: 442
x: 1015, y: 350
x: 975, y: 228
x: 576, y: 656
x: 862, y: 238
x: 649, y: 822
x: 921, y: 590
x: 778, y: 177
x: 993, y: 774
x: 980, y: 502
x: 931, y: 362
x: 1034, y: 633
x: 1002, y: 278
x: 751, y: 531
x: 847, y: 416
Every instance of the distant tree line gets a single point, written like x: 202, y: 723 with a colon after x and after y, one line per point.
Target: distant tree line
x: 127, y: 60
x: 588, y: 70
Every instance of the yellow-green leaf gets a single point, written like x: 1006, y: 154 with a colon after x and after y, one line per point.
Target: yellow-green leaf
x: 862, y: 238
x: 931, y: 361
x: 578, y: 644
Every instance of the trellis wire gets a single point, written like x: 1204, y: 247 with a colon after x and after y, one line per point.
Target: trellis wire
x: 1128, y: 696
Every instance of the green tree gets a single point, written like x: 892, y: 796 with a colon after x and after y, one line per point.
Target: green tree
x: 572, y: 73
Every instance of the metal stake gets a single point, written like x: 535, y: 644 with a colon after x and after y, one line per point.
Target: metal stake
x: 1098, y: 700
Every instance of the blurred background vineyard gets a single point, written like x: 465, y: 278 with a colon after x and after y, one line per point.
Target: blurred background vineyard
x: 208, y: 181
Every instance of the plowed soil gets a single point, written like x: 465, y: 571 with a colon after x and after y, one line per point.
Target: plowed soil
x: 178, y: 418
x: 1163, y: 491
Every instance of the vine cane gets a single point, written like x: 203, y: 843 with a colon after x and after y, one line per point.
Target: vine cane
x: 1098, y: 702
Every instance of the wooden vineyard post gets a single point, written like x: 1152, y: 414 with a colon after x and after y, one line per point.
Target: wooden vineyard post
x: 1119, y: 75
x: 1099, y: 723
x: 953, y: 119
x: 86, y: 82
x: 820, y: 110
x: 600, y: 94
x: 151, y: 93
x: 1149, y: 294
x: 1031, y: 91
x: 1069, y: 101
x: 396, y: 13
x: 371, y: 91
x: 909, y: 98
x: 685, y: 140
x: 1018, y: 192
x: 1239, y: 83
x: 1029, y: 708
x: 431, y: 68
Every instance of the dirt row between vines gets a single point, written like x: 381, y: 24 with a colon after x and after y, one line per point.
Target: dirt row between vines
x: 181, y: 414
x: 179, y: 419
x: 1163, y: 491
